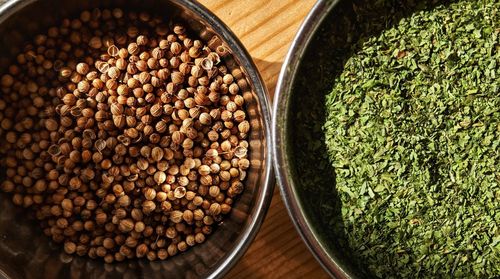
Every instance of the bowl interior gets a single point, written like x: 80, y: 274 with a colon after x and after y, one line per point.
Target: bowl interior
x: 26, y: 253
x: 347, y: 25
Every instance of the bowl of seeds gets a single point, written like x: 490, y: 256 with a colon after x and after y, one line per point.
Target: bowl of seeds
x: 133, y: 141
x: 386, y: 134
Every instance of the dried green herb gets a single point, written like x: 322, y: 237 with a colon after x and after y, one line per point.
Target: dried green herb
x: 413, y: 135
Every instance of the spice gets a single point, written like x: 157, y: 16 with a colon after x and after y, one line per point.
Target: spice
x: 115, y: 149
x: 412, y: 136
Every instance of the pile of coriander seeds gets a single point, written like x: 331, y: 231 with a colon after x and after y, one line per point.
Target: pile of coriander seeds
x: 124, y: 135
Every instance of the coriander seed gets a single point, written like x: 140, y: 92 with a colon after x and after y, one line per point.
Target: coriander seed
x: 116, y: 139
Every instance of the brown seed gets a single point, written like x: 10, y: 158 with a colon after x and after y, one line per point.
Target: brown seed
x: 199, y: 238
x: 69, y: 247
x: 132, y: 133
x: 133, y: 49
x: 163, y: 74
x: 156, y: 110
x: 240, y: 152
x: 160, y: 177
x: 225, y: 208
x: 119, y: 121
x: 7, y: 80
x: 244, y: 127
x: 150, y: 194
x: 126, y: 225
x: 65, y: 72
x: 69, y: 99
x: 212, y: 154
x: 142, y: 40
x: 239, y: 116
x: 239, y: 100
x: 187, y: 215
x: 204, y: 170
x: 153, y: 63
x: 100, y: 145
x: 194, y: 52
x: 148, y: 207
x: 176, y: 216
x: 231, y: 106
x: 102, y: 67
x: 116, y: 109
x: 83, y: 86
x: 179, y: 29
x: 179, y: 192
x: 182, y: 246
x: 95, y: 42
x: 162, y: 254
x: 207, y: 64
x: 177, y: 77
x: 157, y: 154
x: 141, y: 227
x: 234, y: 89
x: 205, y: 119
x: 144, y: 77
x: 51, y: 124
x: 113, y: 51
x: 175, y: 48
x: 177, y: 137
x: 100, y: 218
x: 121, y: 64
x: 82, y: 68
x: 133, y: 83
x: 141, y: 250
x: 113, y: 72
x: 243, y: 164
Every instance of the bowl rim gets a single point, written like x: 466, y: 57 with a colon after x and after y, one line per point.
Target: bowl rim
x: 244, y: 59
x: 282, y: 168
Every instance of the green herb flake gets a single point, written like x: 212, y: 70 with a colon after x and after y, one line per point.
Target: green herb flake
x: 413, y: 135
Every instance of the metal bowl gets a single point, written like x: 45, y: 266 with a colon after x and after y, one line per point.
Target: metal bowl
x: 331, y: 33
x: 26, y: 253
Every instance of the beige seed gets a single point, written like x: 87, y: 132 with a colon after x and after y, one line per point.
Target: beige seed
x: 157, y: 154
x: 148, y: 207
x: 176, y: 216
x: 177, y: 77
x: 160, y: 177
x: 113, y: 51
x: 215, y: 209
x: 126, y: 225
x: 205, y: 118
x: 179, y: 192
x: 113, y: 72
x: 82, y: 68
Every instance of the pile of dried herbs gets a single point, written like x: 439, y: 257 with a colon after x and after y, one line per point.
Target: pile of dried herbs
x: 413, y: 135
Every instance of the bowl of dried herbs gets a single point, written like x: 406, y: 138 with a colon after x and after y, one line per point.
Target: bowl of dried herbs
x: 387, y: 137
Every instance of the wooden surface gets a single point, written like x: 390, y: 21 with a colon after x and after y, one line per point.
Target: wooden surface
x: 266, y: 28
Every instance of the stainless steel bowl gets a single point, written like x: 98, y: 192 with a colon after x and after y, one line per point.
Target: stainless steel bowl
x: 305, y: 220
x: 331, y: 33
x: 26, y: 253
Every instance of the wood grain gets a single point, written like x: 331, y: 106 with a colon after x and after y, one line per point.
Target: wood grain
x: 266, y: 28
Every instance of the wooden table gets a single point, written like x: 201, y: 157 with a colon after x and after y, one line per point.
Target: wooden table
x: 266, y: 28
